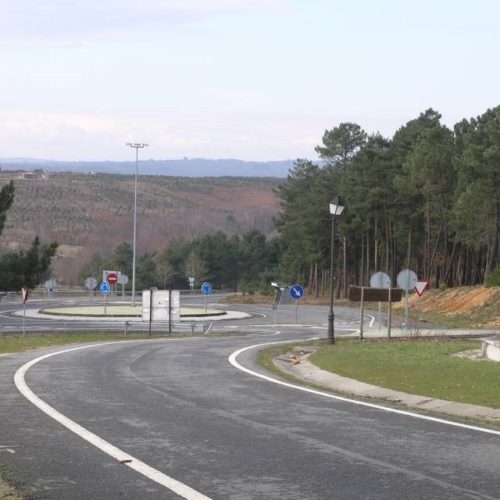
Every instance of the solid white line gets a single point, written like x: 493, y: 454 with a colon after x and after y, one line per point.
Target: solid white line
x: 372, y: 320
x: 234, y: 362
x: 172, y: 484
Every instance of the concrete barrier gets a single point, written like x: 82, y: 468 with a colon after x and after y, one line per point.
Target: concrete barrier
x: 491, y: 348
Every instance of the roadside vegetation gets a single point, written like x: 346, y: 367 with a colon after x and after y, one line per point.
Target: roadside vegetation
x: 20, y: 343
x: 427, y: 367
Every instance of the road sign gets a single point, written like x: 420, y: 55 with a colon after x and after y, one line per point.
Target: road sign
x: 112, y: 278
x: 106, y: 273
x: 373, y: 294
x: 296, y: 292
x: 50, y: 284
x: 122, y: 279
x: 206, y: 288
x: 407, y: 280
x: 105, y: 288
x: 421, y: 286
x: 380, y: 280
x: 24, y: 293
x: 90, y: 283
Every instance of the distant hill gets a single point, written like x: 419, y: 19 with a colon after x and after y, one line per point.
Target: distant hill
x: 89, y: 213
x: 187, y: 167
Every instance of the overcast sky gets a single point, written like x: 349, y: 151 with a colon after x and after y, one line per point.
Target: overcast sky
x: 247, y: 79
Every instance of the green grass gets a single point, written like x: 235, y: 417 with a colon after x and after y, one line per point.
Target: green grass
x: 18, y: 343
x: 423, y: 367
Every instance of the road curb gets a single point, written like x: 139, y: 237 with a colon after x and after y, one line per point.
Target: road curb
x: 308, y: 372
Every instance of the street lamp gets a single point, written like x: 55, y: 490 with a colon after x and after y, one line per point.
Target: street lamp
x: 336, y: 208
x: 137, y: 146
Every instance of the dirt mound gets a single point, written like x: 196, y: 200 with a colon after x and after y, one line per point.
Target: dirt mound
x: 478, y: 303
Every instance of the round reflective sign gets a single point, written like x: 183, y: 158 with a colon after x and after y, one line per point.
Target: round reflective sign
x: 407, y: 280
x: 380, y: 280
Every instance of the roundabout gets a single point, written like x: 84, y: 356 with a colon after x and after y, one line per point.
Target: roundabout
x: 122, y: 311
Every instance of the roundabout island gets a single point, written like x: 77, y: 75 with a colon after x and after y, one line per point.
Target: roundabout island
x: 123, y: 311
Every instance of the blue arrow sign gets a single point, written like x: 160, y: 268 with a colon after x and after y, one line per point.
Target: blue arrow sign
x: 206, y: 288
x: 105, y: 288
x: 296, y: 292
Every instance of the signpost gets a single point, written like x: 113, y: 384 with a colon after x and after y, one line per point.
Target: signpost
x: 90, y: 283
x: 364, y: 294
x: 206, y: 289
x: 380, y: 280
x: 123, y: 280
x: 296, y: 292
x: 420, y: 287
x: 407, y: 279
x: 105, y: 289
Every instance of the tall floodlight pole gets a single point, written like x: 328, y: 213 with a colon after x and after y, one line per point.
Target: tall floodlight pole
x: 335, y: 210
x: 137, y: 146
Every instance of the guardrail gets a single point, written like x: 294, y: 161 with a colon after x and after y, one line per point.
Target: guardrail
x: 13, y: 296
x: 126, y: 327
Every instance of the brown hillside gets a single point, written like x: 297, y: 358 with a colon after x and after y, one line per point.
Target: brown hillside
x: 479, y: 304
x: 94, y: 213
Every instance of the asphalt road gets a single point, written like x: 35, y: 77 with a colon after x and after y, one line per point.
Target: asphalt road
x: 172, y: 418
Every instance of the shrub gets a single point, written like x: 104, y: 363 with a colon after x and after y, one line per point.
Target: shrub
x: 493, y: 279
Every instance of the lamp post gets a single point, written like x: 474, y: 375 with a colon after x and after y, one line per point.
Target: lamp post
x: 137, y: 146
x: 336, y: 208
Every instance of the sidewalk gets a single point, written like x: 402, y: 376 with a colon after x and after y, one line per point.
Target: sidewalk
x: 308, y: 372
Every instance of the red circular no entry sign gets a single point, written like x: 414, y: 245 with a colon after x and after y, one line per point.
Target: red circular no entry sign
x: 112, y: 278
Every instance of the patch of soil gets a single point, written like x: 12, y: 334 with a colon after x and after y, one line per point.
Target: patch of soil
x: 478, y: 303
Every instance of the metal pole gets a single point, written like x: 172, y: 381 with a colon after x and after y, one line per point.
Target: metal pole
x: 137, y: 146
x: 135, y: 224
x: 331, y: 315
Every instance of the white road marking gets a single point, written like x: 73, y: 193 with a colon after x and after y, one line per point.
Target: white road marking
x: 234, y: 362
x: 372, y: 320
x: 168, y: 482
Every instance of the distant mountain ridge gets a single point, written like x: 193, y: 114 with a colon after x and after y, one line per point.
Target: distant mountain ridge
x: 186, y: 167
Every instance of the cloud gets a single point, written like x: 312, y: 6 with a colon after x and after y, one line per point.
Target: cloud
x: 26, y: 21
x: 59, y: 136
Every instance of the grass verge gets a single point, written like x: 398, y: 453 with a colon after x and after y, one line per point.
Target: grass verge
x: 18, y: 343
x: 423, y: 367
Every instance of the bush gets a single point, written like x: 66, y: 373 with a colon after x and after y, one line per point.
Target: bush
x: 493, y: 279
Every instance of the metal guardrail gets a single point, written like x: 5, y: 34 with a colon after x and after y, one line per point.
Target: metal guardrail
x: 13, y: 296
x: 125, y: 327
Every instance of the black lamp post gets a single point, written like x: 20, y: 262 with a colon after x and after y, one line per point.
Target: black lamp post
x: 336, y: 209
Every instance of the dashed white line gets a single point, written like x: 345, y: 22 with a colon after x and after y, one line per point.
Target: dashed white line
x: 168, y: 482
x: 234, y: 362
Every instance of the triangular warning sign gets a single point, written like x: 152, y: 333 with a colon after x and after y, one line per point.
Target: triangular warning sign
x: 420, y: 286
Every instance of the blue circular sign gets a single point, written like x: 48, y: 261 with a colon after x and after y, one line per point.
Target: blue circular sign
x: 206, y: 288
x: 105, y: 288
x: 296, y: 292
